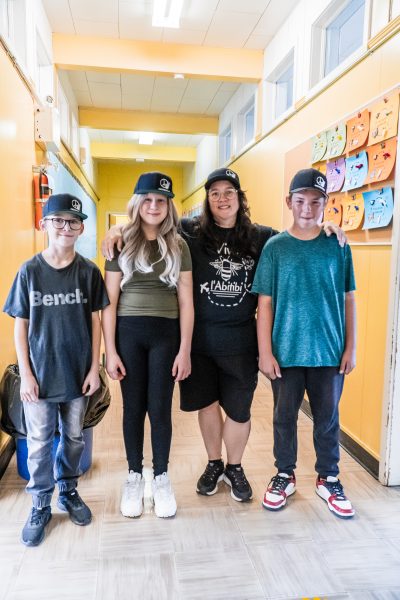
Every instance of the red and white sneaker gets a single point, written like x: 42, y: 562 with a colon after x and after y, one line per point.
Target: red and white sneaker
x: 331, y: 490
x: 279, y: 488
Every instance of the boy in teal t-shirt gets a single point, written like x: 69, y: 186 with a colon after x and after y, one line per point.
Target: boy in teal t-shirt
x: 306, y: 338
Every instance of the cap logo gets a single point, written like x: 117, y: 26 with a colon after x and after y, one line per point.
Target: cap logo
x: 231, y: 174
x: 321, y: 182
x: 76, y: 205
x: 165, y: 184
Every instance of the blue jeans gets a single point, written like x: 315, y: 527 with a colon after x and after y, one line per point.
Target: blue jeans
x: 324, y: 387
x: 41, y: 422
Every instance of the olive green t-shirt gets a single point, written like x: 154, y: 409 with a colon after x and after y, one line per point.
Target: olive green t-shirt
x: 145, y: 295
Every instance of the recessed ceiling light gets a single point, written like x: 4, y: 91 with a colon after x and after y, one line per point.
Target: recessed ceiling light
x: 166, y: 13
x: 179, y: 76
x: 140, y: 160
x: 146, y: 137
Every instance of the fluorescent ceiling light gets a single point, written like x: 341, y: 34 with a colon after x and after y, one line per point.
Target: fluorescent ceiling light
x: 140, y: 160
x: 166, y: 13
x: 146, y: 137
x: 179, y: 76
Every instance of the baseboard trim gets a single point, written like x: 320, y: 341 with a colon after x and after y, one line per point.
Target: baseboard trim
x: 364, y: 458
x: 6, y: 455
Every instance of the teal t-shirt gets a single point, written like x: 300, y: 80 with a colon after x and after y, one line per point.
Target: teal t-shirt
x: 307, y: 281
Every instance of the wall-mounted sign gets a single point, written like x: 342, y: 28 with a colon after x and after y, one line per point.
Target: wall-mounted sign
x: 319, y: 145
x: 353, y: 211
x: 384, y: 117
x: 336, y: 141
x: 356, y: 171
x: 333, y: 210
x: 378, y: 208
x: 335, y: 173
x: 381, y: 159
x: 357, y: 130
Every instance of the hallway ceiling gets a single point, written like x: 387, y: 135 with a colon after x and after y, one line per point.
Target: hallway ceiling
x: 226, y: 23
x: 236, y: 24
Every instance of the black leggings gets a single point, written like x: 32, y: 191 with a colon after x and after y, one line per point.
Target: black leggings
x: 147, y: 347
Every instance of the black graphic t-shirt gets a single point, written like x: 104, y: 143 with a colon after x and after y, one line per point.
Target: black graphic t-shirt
x: 59, y: 305
x: 224, y: 307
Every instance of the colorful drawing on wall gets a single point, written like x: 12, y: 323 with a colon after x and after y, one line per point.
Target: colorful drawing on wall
x: 333, y: 210
x: 357, y: 130
x: 378, y: 208
x: 336, y: 141
x: 335, y: 173
x: 356, y: 171
x: 353, y: 212
x: 381, y: 159
x: 384, y: 117
x: 319, y: 145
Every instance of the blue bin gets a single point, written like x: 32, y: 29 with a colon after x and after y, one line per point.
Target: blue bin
x: 22, y: 453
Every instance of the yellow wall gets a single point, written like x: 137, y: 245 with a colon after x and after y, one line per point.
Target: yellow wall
x: 262, y: 175
x: 116, y: 181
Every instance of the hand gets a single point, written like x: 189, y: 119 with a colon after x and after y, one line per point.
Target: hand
x: 29, y: 389
x: 348, y: 361
x: 182, y: 366
x: 268, y: 365
x: 115, y: 367
x: 113, y: 237
x: 91, y: 383
x: 330, y: 228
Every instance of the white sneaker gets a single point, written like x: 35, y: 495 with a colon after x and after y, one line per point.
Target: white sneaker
x: 163, y: 496
x: 132, y: 495
x: 331, y: 490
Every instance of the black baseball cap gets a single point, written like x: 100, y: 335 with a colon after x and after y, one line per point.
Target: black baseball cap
x: 65, y: 203
x: 154, y: 183
x: 223, y: 175
x: 309, y: 179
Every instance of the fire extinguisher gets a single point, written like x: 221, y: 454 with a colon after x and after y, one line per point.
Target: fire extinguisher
x: 42, y: 189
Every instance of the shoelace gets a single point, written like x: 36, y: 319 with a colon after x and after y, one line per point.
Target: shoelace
x: 278, y: 484
x: 75, y: 499
x: 37, y: 516
x: 163, y: 487
x: 239, y: 478
x: 336, y: 489
x: 133, y: 488
x: 211, y: 472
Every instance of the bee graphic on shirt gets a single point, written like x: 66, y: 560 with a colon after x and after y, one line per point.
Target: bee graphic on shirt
x: 226, y: 267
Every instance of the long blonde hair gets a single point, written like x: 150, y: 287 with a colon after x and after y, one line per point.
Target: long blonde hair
x: 135, y: 255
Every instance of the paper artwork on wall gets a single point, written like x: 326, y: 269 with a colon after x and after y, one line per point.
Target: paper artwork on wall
x: 353, y: 212
x: 319, y: 145
x: 333, y: 210
x: 335, y: 173
x: 336, y: 141
x: 384, y: 117
x: 357, y: 131
x: 378, y: 208
x: 381, y: 159
x: 356, y: 171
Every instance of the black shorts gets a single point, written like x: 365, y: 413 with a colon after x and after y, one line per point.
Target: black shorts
x: 231, y: 380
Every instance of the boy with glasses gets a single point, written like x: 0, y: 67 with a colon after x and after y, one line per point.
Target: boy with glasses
x: 55, y: 300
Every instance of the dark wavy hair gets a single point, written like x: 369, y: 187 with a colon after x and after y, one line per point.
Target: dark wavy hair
x: 243, y: 237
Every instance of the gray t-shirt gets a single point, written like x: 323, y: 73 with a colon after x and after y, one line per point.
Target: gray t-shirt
x: 59, y: 305
x: 308, y: 281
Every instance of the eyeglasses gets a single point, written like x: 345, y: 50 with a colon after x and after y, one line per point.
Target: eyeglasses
x: 215, y: 195
x: 58, y: 223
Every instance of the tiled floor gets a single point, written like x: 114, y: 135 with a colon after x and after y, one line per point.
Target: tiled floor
x: 215, y: 548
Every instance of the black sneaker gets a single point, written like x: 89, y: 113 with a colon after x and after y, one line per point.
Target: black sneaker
x: 72, y: 503
x: 240, y: 487
x: 207, y: 485
x: 34, y: 528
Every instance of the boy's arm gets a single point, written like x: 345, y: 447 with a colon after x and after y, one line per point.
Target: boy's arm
x: 267, y: 363
x: 182, y: 367
x: 29, y: 386
x: 114, y: 365
x: 92, y: 379
x: 348, y: 361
